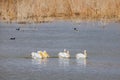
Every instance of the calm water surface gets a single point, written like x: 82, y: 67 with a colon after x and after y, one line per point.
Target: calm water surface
x: 101, y: 42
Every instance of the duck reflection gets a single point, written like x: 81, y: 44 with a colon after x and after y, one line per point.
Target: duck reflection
x: 63, y: 62
x: 81, y: 62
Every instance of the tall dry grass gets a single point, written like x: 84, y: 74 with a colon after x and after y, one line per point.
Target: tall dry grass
x: 45, y: 10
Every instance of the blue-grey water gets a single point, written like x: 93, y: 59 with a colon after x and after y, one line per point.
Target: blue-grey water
x: 102, y: 43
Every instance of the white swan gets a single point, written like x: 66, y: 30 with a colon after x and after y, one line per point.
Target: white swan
x: 81, y: 55
x: 64, y: 54
x: 36, y: 55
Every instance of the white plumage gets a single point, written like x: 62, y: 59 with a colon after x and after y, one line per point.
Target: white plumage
x: 64, y: 54
x: 39, y: 55
x: 36, y: 55
x: 81, y: 55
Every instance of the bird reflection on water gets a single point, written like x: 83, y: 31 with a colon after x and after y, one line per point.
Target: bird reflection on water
x: 81, y: 62
x: 40, y: 61
x: 64, y: 62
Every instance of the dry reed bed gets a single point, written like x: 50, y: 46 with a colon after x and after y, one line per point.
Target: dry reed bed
x: 47, y: 10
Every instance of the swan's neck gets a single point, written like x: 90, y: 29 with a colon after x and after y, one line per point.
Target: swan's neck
x: 67, y: 52
x: 85, y: 53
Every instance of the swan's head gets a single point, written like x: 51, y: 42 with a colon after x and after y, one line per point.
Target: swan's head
x: 65, y: 50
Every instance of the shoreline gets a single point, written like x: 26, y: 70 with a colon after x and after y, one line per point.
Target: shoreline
x: 52, y: 19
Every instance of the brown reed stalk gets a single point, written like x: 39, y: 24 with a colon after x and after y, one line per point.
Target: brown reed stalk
x: 44, y: 10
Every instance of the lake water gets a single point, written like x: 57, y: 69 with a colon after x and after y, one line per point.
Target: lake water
x: 101, y: 42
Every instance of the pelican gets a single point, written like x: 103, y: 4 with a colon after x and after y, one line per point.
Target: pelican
x: 64, y: 54
x: 45, y: 54
x: 40, y: 53
x: 81, y: 55
x: 36, y: 55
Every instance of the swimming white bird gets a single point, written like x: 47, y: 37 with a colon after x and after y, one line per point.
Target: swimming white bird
x: 33, y: 55
x: 81, y: 55
x: 37, y: 55
x: 45, y: 54
x: 64, y: 54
